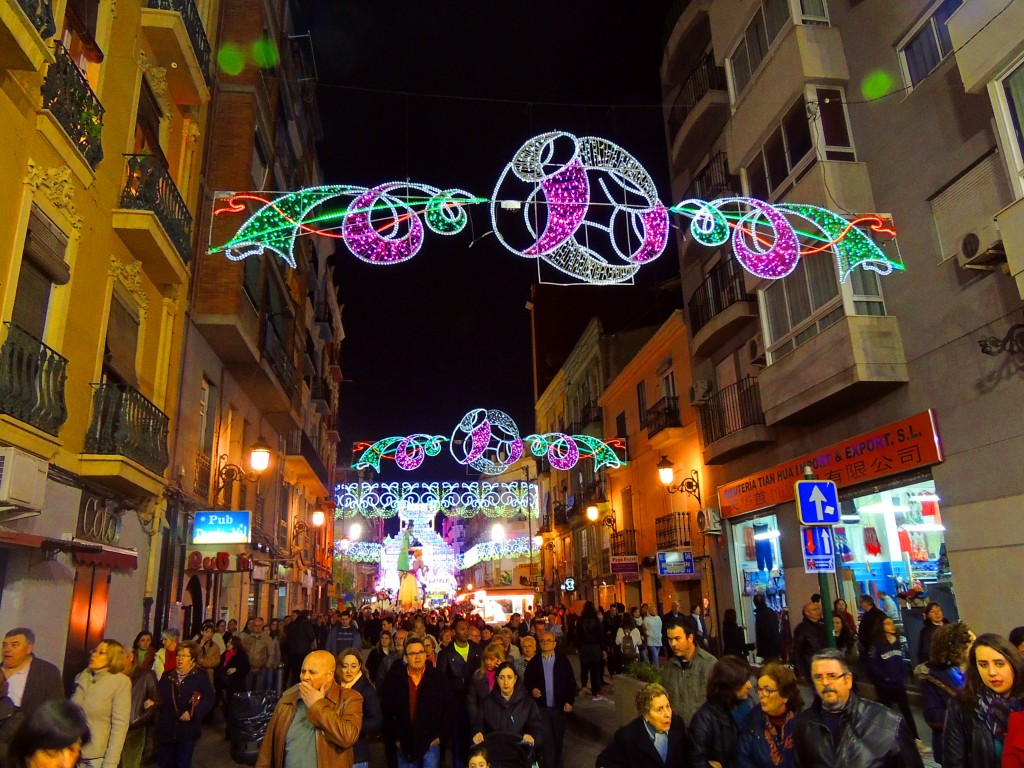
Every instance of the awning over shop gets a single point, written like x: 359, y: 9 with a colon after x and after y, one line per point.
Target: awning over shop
x: 107, y: 557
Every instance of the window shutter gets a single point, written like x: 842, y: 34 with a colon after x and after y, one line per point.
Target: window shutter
x: 45, y: 245
x: 31, y: 300
x: 122, y: 341
x: 81, y: 16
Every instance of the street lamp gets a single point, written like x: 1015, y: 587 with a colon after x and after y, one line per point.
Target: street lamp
x: 230, y: 473
x: 689, y: 485
x: 318, y: 518
x: 592, y: 513
x: 259, y: 455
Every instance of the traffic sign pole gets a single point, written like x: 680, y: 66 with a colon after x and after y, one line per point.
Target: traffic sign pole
x: 823, y: 586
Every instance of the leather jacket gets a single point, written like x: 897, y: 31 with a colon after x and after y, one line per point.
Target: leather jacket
x: 873, y: 736
x: 966, y: 741
x: 712, y: 736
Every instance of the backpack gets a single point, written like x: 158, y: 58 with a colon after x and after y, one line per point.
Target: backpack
x: 628, y: 647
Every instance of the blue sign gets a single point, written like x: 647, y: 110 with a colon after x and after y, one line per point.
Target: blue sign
x: 676, y: 563
x: 817, y: 502
x: 819, y: 549
x: 227, y: 527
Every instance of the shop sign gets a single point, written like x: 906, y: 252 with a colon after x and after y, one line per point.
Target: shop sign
x: 898, y: 447
x: 819, y: 549
x: 221, y: 561
x: 676, y: 562
x: 626, y: 567
x: 222, y: 527
x: 99, y: 520
x: 569, y: 585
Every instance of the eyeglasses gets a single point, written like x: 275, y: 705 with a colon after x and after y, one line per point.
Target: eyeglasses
x: 100, y: 651
x: 767, y: 691
x: 829, y: 677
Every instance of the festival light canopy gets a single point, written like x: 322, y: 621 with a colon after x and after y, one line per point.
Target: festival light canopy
x: 488, y: 441
x: 582, y: 205
x: 511, y: 549
x: 453, y: 499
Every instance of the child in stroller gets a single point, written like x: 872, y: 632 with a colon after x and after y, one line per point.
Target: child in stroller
x: 503, y: 750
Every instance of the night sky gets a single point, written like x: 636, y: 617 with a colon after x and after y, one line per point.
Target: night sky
x: 444, y: 94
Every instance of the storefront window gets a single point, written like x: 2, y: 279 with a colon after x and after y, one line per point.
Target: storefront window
x: 759, y: 564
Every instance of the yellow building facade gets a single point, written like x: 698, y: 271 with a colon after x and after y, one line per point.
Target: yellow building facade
x: 102, y: 116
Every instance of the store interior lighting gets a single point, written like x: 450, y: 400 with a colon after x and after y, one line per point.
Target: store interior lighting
x: 767, y: 535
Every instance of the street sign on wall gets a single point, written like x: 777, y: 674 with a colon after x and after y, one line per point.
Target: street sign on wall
x: 819, y: 549
x: 626, y: 567
x: 817, y: 502
x: 676, y: 563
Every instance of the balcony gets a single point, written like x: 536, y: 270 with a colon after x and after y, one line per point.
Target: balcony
x: 203, y: 475
x: 623, y: 542
x: 732, y: 422
x: 24, y: 26
x: 128, y: 426
x: 175, y: 33
x: 805, y: 53
x: 69, y: 100
x: 1011, y: 226
x: 320, y: 395
x: 334, y: 363
x: 699, y: 112
x: 855, y: 358
x: 323, y: 321
x: 719, y: 307
x: 663, y: 415
x: 591, y: 415
x: 32, y: 378
x: 333, y: 435
x: 672, y: 530
x: 985, y: 49
x: 302, y: 459
x: 686, y: 36
x: 154, y: 222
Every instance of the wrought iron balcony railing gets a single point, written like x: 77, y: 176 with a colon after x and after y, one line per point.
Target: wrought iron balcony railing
x: 40, y: 13
x: 663, y: 415
x: 713, y: 179
x: 672, y: 530
x: 731, y: 409
x: 125, y: 423
x: 704, y: 77
x: 32, y: 378
x: 274, y: 352
x: 201, y: 486
x: 624, y: 542
x: 590, y: 414
x: 68, y: 95
x: 723, y: 287
x: 150, y: 188
x: 193, y: 26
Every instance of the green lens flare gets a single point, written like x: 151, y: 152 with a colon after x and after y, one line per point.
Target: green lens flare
x: 876, y: 84
x: 264, y: 53
x: 230, y: 59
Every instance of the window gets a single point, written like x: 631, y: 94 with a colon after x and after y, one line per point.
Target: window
x: 122, y: 341
x: 769, y: 19
x: 42, y: 267
x: 786, y: 147
x: 259, y: 161
x: 1012, y: 113
x: 641, y: 403
x: 626, y: 497
x: 207, y: 416
x: 928, y: 44
x: 668, y: 384
x: 79, y: 34
x: 833, y: 124
x: 147, y: 123
x: 620, y: 425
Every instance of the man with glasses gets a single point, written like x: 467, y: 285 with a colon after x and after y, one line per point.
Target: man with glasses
x: 843, y: 730
x: 551, y: 681
x: 418, y: 705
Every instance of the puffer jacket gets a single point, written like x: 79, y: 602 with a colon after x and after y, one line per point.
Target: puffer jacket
x: 752, y: 750
x: 712, y: 735
x: 967, y: 742
x: 517, y: 714
x: 873, y: 736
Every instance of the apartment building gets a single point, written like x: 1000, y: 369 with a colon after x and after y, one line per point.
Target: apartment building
x: 262, y: 354
x: 103, y: 119
x: 876, y: 382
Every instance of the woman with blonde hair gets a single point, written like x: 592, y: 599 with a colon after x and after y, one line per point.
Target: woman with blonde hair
x: 352, y: 674
x: 484, y: 678
x: 104, y: 693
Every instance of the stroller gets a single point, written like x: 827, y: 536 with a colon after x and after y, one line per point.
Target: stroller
x: 247, y: 718
x: 508, y: 750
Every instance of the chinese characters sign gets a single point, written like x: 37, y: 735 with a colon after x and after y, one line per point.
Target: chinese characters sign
x: 898, y: 447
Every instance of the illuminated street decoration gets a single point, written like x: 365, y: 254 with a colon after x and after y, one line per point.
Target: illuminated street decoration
x: 453, y: 499
x: 583, y: 205
x: 548, y: 185
x: 488, y: 441
x: 382, y: 226
x: 511, y: 549
x: 766, y: 243
x: 433, y: 567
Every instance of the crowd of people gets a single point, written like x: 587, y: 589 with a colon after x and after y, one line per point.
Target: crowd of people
x: 433, y: 683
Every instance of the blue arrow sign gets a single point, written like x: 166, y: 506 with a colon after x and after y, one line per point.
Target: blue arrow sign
x: 819, y: 549
x: 817, y: 502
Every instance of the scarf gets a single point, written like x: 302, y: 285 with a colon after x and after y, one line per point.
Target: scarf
x: 994, y: 710
x: 779, y: 738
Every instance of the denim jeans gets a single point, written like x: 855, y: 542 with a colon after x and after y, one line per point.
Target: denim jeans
x: 654, y: 654
x: 432, y: 759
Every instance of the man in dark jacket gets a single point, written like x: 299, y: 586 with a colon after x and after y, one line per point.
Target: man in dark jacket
x: 551, y: 681
x: 343, y: 635
x: 31, y: 681
x: 612, y: 623
x: 842, y: 729
x: 808, y: 639
x: 457, y: 662
x: 872, y: 617
x: 300, y: 640
x: 766, y: 630
x: 417, y: 705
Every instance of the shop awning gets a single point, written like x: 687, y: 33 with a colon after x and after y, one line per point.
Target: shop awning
x: 107, y: 556
x: 35, y: 541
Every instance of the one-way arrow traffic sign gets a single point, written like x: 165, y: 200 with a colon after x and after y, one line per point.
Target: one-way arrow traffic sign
x: 819, y: 549
x: 817, y: 502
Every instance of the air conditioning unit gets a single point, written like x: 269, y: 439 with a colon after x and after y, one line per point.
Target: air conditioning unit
x: 700, y: 391
x: 981, y: 248
x: 709, y: 522
x: 22, y: 479
x: 755, y: 350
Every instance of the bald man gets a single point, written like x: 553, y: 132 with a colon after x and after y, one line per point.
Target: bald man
x: 316, y: 723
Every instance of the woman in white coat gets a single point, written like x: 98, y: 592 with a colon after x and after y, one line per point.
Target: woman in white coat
x: 104, y: 693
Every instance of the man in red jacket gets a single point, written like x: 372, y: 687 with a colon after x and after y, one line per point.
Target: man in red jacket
x: 316, y: 723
